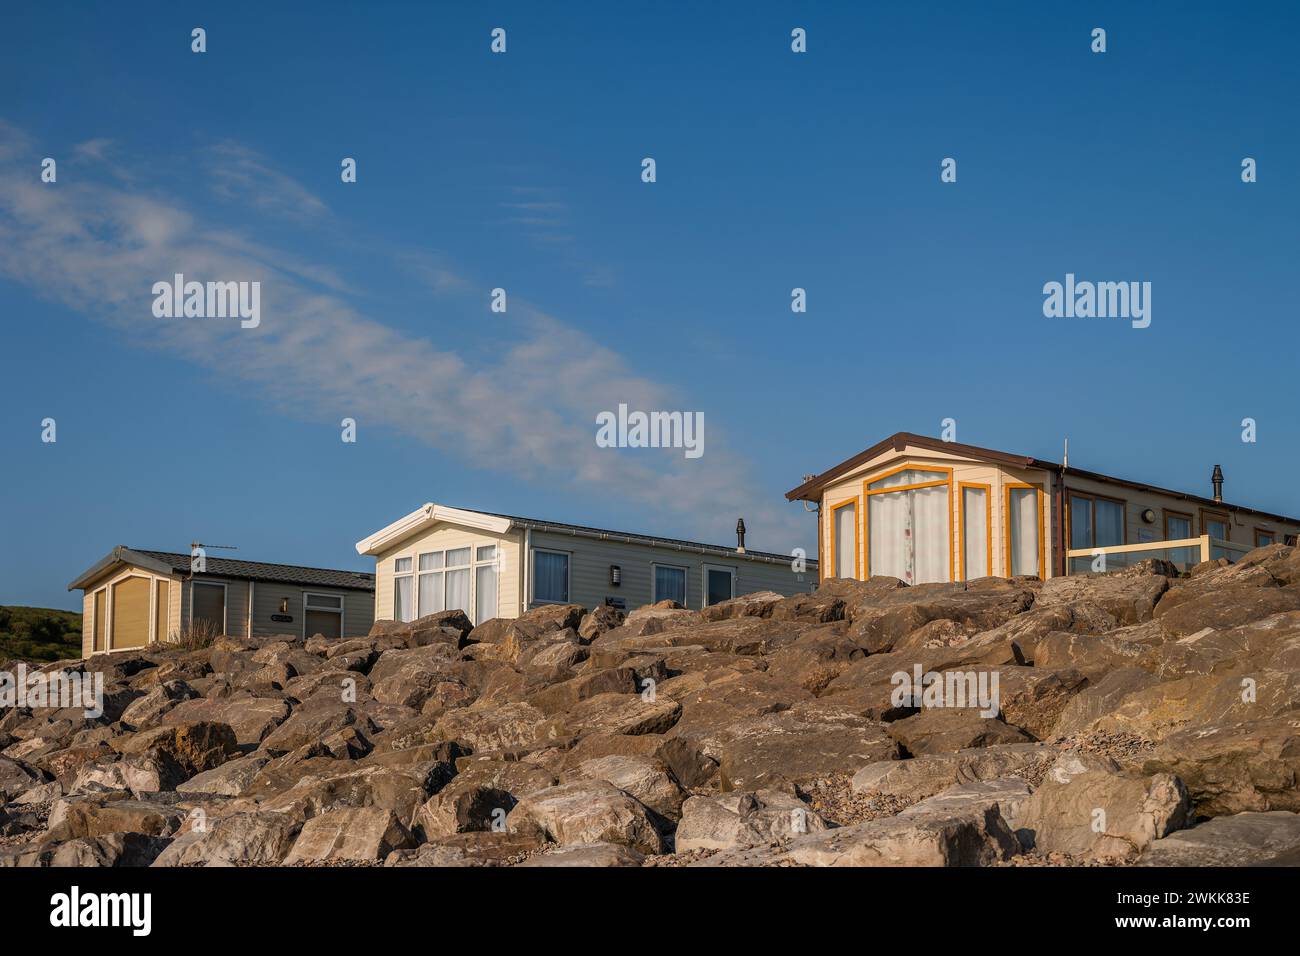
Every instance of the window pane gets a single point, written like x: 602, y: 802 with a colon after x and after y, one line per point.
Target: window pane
x: 911, y: 476
x: 907, y: 535
x: 1216, y: 529
x: 846, y: 541
x: 888, y: 527
x: 1177, y: 528
x: 975, y: 533
x: 431, y: 562
x: 485, y: 593
x: 327, y: 623
x: 550, y: 576
x: 670, y: 584
x: 486, y: 552
x: 431, y: 593
x: 401, y: 564
x: 458, y: 590
x: 209, y: 605
x: 930, y: 541
x: 458, y: 558
x: 720, y: 586
x: 324, y: 600
x: 1024, y: 531
x: 402, y: 607
x: 1110, y: 523
x: 1080, y: 522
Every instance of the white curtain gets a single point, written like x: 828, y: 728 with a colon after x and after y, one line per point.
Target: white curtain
x: 930, y: 534
x: 402, y: 606
x: 889, y: 531
x: 1024, y: 531
x: 845, y: 541
x: 431, y: 593
x: 550, y: 576
x: 458, y: 590
x: 485, y: 587
x: 975, y: 533
x: 908, y: 534
x: 670, y: 584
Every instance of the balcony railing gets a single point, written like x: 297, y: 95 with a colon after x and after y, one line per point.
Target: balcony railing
x: 1184, y: 553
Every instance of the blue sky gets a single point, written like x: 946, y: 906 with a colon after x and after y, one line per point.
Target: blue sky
x: 522, y: 170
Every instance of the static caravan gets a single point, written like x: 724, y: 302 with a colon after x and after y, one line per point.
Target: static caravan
x: 491, y: 565
x: 134, y: 597
x: 925, y: 510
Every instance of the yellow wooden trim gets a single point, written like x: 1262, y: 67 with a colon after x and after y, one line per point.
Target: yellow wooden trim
x: 988, y: 522
x: 1172, y: 545
x: 857, y: 514
x: 1006, y: 521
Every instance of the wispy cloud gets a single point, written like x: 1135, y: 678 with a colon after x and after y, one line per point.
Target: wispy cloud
x: 529, y: 411
x: 240, y: 174
x: 434, y: 271
x: 93, y: 149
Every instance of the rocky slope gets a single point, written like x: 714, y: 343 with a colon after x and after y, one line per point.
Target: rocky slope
x: 1141, y: 718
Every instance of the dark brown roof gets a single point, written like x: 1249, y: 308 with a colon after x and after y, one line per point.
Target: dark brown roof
x: 811, y: 489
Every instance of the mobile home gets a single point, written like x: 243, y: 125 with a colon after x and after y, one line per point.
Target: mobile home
x: 925, y: 510
x: 491, y: 565
x: 134, y: 597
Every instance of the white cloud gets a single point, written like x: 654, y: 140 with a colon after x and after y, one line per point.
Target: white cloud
x: 528, y: 411
x: 240, y: 174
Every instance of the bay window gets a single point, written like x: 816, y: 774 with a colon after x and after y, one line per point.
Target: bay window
x: 908, y: 533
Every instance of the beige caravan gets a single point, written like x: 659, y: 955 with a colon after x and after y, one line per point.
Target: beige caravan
x: 134, y: 597
x: 489, y: 565
x: 926, y: 510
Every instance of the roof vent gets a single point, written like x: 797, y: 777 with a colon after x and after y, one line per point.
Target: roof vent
x: 740, y: 535
x: 1217, y: 480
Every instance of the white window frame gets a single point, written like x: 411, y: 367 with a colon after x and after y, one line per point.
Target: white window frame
x: 225, y: 602
x: 686, y: 581
x: 340, y: 609
x: 405, y: 574
x: 704, y: 581
x: 568, y: 576
x: 416, y: 610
